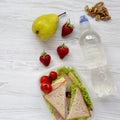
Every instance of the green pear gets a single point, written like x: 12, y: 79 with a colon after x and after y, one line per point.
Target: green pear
x: 45, y: 26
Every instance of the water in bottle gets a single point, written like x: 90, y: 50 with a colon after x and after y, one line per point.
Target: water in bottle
x: 95, y: 59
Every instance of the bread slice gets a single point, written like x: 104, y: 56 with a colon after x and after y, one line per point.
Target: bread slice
x: 69, y: 82
x: 78, y: 108
x: 57, y: 98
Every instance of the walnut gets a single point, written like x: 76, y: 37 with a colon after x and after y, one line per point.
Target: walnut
x: 99, y: 4
x: 99, y: 11
x: 97, y: 17
x: 86, y: 8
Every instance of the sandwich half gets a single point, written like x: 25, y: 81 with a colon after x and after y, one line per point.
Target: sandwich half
x: 57, y: 100
x: 78, y: 108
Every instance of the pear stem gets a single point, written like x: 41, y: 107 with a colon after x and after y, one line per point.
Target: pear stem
x: 61, y: 14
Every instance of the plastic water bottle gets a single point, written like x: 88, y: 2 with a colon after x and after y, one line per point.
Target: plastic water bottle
x: 95, y: 59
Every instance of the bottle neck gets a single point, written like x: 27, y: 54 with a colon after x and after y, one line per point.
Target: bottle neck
x: 85, y: 26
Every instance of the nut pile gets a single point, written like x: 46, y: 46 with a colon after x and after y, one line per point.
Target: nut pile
x: 99, y: 11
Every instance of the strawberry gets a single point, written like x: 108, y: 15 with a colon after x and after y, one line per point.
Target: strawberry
x: 62, y: 50
x: 45, y: 58
x: 67, y: 29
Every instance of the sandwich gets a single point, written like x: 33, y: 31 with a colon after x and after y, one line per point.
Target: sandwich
x: 57, y: 100
x: 68, y: 99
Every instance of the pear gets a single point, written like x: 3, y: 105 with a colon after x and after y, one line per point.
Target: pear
x: 45, y: 26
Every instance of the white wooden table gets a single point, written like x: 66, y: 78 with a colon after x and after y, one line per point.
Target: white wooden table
x: 20, y: 97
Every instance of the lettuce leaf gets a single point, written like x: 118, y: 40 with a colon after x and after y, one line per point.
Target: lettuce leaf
x: 80, y: 118
x: 63, y: 70
x: 73, y: 92
x: 50, y: 109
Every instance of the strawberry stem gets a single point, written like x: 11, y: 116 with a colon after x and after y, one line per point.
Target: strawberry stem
x: 69, y: 23
x: 69, y: 20
x: 44, y: 53
x: 63, y: 45
x: 61, y: 14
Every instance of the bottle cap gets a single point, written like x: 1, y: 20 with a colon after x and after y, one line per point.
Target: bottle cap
x: 83, y: 19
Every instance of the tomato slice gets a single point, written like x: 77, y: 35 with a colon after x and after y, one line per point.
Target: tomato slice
x: 53, y: 75
x: 46, y: 87
x: 45, y: 79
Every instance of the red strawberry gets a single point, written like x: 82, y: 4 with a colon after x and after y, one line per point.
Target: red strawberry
x: 67, y: 29
x: 45, y: 58
x: 62, y: 50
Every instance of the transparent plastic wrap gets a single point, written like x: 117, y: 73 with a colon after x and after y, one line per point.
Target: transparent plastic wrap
x: 87, y: 93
